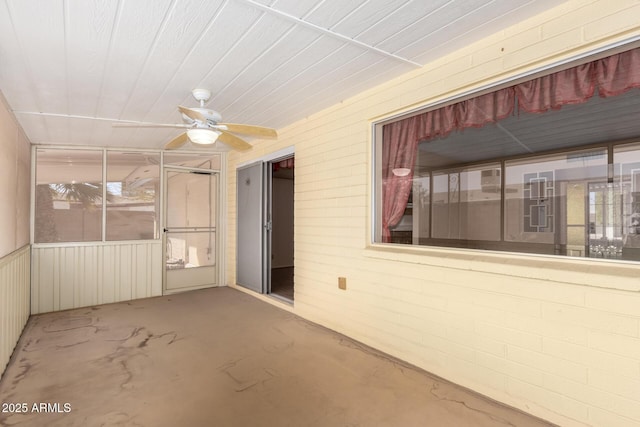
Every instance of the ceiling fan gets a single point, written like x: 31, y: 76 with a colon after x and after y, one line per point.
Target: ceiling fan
x: 204, y: 127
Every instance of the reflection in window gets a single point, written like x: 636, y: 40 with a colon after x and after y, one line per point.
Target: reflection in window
x: 545, y: 200
x: 68, y: 199
x: 626, y: 160
x: 133, y: 182
x: 466, y: 203
x: 543, y: 166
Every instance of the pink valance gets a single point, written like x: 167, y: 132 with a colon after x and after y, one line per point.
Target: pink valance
x: 573, y: 86
x: 489, y: 108
x: 618, y: 73
x: 611, y: 76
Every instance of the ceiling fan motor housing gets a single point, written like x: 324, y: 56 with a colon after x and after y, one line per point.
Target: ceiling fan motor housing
x: 201, y: 95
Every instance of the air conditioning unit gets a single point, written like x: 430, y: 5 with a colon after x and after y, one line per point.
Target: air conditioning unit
x: 490, y: 180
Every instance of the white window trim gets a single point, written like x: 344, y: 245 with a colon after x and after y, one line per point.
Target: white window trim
x: 563, y: 269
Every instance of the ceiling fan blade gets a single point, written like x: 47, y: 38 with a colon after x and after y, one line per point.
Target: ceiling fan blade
x: 192, y: 114
x: 251, y: 130
x: 177, y: 142
x: 150, y: 125
x: 233, y: 141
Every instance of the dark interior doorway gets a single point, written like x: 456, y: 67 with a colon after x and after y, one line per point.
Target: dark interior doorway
x: 281, y: 210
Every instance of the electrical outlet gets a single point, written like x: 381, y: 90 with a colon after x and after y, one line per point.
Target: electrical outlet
x: 342, y: 283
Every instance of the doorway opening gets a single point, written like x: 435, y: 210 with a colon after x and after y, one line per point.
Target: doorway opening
x: 281, y: 268
x: 265, y: 243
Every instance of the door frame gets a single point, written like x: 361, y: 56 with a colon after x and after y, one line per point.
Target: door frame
x: 266, y: 194
x: 219, y: 258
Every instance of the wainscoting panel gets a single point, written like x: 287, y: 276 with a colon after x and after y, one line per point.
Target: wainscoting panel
x: 65, y: 277
x: 14, y: 301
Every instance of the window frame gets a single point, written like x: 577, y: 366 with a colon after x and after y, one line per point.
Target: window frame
x: 104, y: 151
x: 374, y: 240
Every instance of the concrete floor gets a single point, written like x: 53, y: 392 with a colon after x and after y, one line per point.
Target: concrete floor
x: 219, y: 357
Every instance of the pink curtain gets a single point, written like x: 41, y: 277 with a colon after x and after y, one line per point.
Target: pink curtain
x: 436, y: 123
x: 617, y: 74
x: 573, y: 86
x: 398, y: 151
x: 613, y: 75
x: 489, y: 108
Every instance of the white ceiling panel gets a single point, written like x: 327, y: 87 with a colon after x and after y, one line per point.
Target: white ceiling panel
x: 226, y: 30
x: 37, y: 126
x: 297, y: 8
x: 277, y: 84
x: 180, y: 31
x: 300, y: 85
x: 132, y: 38
x: 330, y: 13
x: 71, y: 68
x: 88, y: 36
x: 40, y: 51
x: 373, y: 12
x: 407, y: 21
x: 246, y: 54
x: 13, y: 73
x: 262, y: 70
x: 436, y: 26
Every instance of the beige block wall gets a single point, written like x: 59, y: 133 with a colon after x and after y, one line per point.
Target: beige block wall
x: 15, y: 166
x: 558, y: 338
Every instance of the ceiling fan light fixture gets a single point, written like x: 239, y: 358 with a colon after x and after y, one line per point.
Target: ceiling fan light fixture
x: 203, y: 136
x: 401, y: 171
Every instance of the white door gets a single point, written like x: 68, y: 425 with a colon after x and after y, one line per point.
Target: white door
x: 190, y: 239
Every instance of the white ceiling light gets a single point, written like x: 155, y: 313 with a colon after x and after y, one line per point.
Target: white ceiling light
x: 401, y: 171
x: 203, y: 136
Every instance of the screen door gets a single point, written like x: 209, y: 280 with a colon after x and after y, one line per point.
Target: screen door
x: 190, y: 230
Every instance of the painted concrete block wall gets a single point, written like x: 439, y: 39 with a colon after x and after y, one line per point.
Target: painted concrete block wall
x: 15, y: 165
x: 558, y: 338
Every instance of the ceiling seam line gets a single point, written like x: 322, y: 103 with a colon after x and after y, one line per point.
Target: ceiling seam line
x: 297, y: 74
x: 431, y: 13
x: 212, y: 21
x: 262, y: 55
x: 330, y: 33
x: 281, y: 65
x: 232, y: 47
x: 78, y: 116
x: 308, y: 46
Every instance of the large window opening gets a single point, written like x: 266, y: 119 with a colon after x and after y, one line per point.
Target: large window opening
x: 103, y: 195
x: 549, y: 166
x: 68, y: 196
